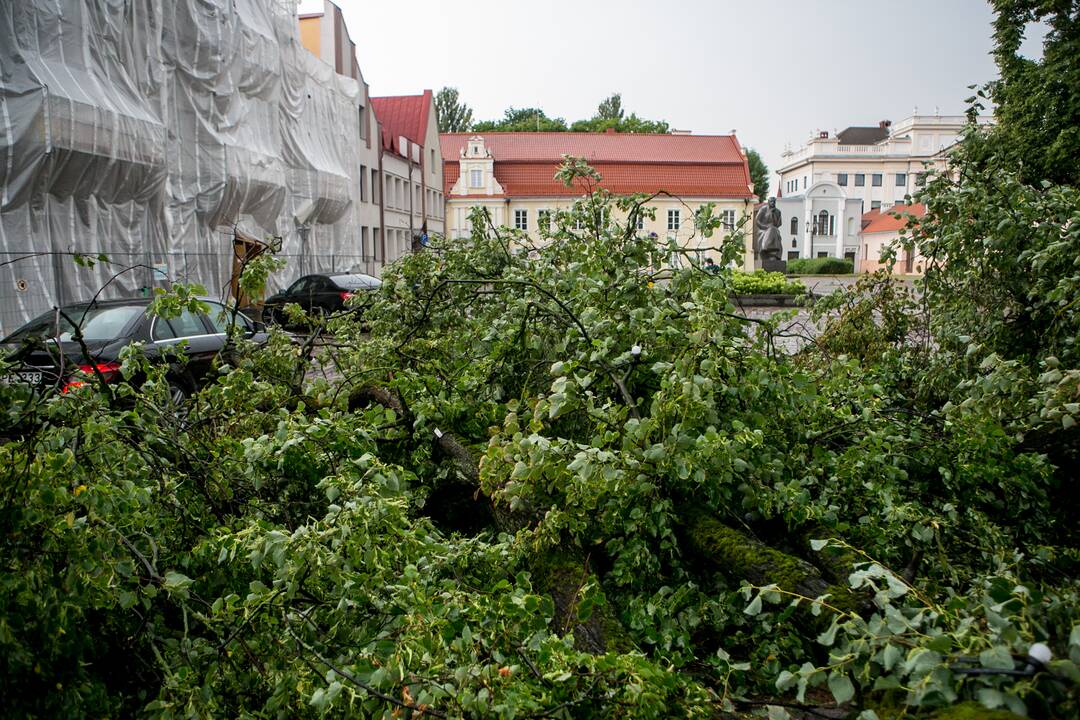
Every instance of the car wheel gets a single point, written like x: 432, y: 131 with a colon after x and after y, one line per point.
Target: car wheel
x: 178, y: 402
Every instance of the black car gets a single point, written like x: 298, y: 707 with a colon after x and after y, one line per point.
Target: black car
x: 47, y: 355
x: 319, y: 294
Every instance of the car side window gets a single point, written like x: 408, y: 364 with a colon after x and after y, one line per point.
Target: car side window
x: 299, y: 286
x: 221, y: 316
x: 187, y: 324
x: 161, y: 330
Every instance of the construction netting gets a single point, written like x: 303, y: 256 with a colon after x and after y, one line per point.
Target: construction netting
x: 144, y: 130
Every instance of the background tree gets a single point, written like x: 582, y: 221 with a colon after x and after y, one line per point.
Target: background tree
x: 522, y: 120
x: 759, y: 173
x: 453, y: 115
x: 610, y: 108
x: 1038, y: 106
x: 610, y: 115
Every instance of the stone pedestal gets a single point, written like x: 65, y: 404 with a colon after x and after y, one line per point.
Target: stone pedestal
x: 770, y: 265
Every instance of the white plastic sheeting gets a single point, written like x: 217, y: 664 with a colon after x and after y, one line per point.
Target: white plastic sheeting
x: 145, y: 130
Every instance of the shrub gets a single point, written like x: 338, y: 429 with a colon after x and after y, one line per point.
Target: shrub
x: 821, y: 266
x: 760, y: 282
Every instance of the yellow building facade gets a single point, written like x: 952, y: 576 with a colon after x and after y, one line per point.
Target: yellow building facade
x: 511, y: 175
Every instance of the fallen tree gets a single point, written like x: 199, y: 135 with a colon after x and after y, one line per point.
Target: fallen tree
x: 568, y: 479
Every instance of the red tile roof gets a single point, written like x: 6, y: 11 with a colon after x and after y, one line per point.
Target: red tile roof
x: 402, y: 115
x: 877, y: 221
x: 684, y: 165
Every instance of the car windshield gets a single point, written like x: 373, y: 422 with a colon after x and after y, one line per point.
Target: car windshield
x: 358, y: 281
x: 97, y: 323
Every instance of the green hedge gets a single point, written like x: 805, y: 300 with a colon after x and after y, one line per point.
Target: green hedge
x: 821, y: 266
x: 760, y: 282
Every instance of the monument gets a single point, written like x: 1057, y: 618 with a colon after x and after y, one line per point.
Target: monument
x: 770, y: 244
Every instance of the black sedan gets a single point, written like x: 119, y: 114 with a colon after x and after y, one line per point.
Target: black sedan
x: 319, y: 294
x: 79, y: 343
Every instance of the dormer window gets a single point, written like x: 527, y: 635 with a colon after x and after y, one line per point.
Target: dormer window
x: 476, y: 178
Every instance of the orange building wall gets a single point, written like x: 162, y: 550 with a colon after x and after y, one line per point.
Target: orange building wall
x: 309, y: 34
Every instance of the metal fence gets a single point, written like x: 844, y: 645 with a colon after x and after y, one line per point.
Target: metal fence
x: 33, y: 283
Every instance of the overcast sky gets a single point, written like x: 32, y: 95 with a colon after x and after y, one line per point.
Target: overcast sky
x: 774, y: 71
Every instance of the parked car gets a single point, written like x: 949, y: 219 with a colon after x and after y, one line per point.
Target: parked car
x: 321, y: 293
x: 46, y: 353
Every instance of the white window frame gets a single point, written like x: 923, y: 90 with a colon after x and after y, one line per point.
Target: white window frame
x: 476, y: 178
x: 674, y: 220
x: 728, y: 219
x: 521, y: 220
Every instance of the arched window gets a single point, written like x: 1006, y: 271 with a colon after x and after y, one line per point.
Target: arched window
x: 825, y: 223
x: 794, y: 226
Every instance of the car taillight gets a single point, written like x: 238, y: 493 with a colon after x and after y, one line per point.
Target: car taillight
x: 345, y: 295
x: 108, y: 370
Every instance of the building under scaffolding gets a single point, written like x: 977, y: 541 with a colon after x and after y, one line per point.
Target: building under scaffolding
x: 148, y: 131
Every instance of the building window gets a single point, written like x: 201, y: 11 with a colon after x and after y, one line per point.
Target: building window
x: 875, y: 204
x: 822, y: 254
x: 672, y: 219
x: 521, y: 219
x: 803, y: 182
x: 432, y: 161
x: 901, y: 179
x: 841, y: 179
x: 860, y: 180
x: 920, y: 179
x: 875, y: 179
x: 375, y: 186
x: 728, y: 219
x: 543, y: 219
x: 794, y: 242
x: 794, y: 226
x: 793, y: 255
x: 476, y: 178
x: 825, y: 223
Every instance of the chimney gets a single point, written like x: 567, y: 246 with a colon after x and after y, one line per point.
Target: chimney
x: 823, y: 134
x: 885, y: 124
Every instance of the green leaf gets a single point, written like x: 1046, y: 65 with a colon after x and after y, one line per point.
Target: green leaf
x: 786, y: 680
x: 177, y: 583
x: 990, y: 698
x: 890, y: 656
x: 754, y: 608
x: 841, y: 687
x: 997, y: 657
x: 828, y: 637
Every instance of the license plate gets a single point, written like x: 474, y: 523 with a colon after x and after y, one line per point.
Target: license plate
x: 23, y: 377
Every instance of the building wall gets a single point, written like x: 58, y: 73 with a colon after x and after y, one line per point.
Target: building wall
x: 840, y: 238
x: 914, y: 147
x: 503, y: 213
x: 435, y: 202
x: 872, y: 246
x: 324, y: 34
x: 310, y: 34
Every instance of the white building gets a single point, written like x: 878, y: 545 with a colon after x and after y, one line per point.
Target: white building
x: 877, y: 166
x: 820, y: 222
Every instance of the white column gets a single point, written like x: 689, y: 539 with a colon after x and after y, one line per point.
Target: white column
x: 839, y: 228
x: 808, y: 235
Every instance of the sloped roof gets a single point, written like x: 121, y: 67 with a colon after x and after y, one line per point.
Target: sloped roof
x: 402, y: 115
x: 684, y: 165
x: 877, y: 221
x: 599, y: 147
x: 862, y: 135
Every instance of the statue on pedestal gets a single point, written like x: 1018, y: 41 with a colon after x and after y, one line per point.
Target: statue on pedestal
x: 770, y: 244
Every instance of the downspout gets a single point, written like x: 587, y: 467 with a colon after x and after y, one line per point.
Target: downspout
x: 412, y: 194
